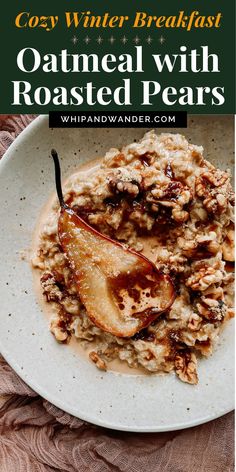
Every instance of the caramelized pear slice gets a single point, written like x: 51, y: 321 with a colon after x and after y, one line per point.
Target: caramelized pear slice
x: 122, y: 291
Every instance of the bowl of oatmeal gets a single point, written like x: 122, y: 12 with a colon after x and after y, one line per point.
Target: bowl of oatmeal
x: 161, y: 197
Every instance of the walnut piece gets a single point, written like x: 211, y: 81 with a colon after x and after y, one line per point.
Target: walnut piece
x: 194, y: 322
x: 215, y: 189
x: 124, y: 181
x: 212, y: 310
x: 60, y: 333
x: 100, y: 363
x: 228, y: 248
x: 204, y: 277
x: 201, y: 246
x: 173, y: 195
x: 50, y: 289
x: 186, y: 367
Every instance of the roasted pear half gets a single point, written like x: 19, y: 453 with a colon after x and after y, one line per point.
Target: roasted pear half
x: 122, y: 291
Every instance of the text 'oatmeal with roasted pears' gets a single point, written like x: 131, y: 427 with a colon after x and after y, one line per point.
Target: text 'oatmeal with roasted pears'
x: 160, y: 311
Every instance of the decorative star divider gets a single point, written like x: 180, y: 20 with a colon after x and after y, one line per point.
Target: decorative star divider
x: 99, y: 40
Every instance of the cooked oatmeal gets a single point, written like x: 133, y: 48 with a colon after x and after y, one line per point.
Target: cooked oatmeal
x: 161, y: 198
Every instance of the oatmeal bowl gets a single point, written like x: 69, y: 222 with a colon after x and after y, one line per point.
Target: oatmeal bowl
x: 130, y: 292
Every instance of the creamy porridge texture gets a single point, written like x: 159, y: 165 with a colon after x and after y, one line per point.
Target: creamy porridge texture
x: 161, y: 198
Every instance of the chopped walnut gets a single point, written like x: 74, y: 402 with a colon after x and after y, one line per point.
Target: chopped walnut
x: 38, y: 262
x: 126, y: 182
x: 50, y: 288
x: 71, y: 305
x: 204, y: 347
x: 194, y: 322
x: 59, y: 332
x: 180, y: 215
x: 204, y: 277
x: 216, y: 177
x: 100, y: 363
x: 215, y: 189
x: 186, y: 367
x: 171, y: 195
x: 212, y: 310
x: 126, y: 187
x: 202, y: 246
x: 228, y: 248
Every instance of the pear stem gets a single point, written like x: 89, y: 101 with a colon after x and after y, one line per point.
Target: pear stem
x: 58, y: 177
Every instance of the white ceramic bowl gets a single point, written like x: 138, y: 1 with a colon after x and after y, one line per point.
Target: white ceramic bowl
x: 119, y: 401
